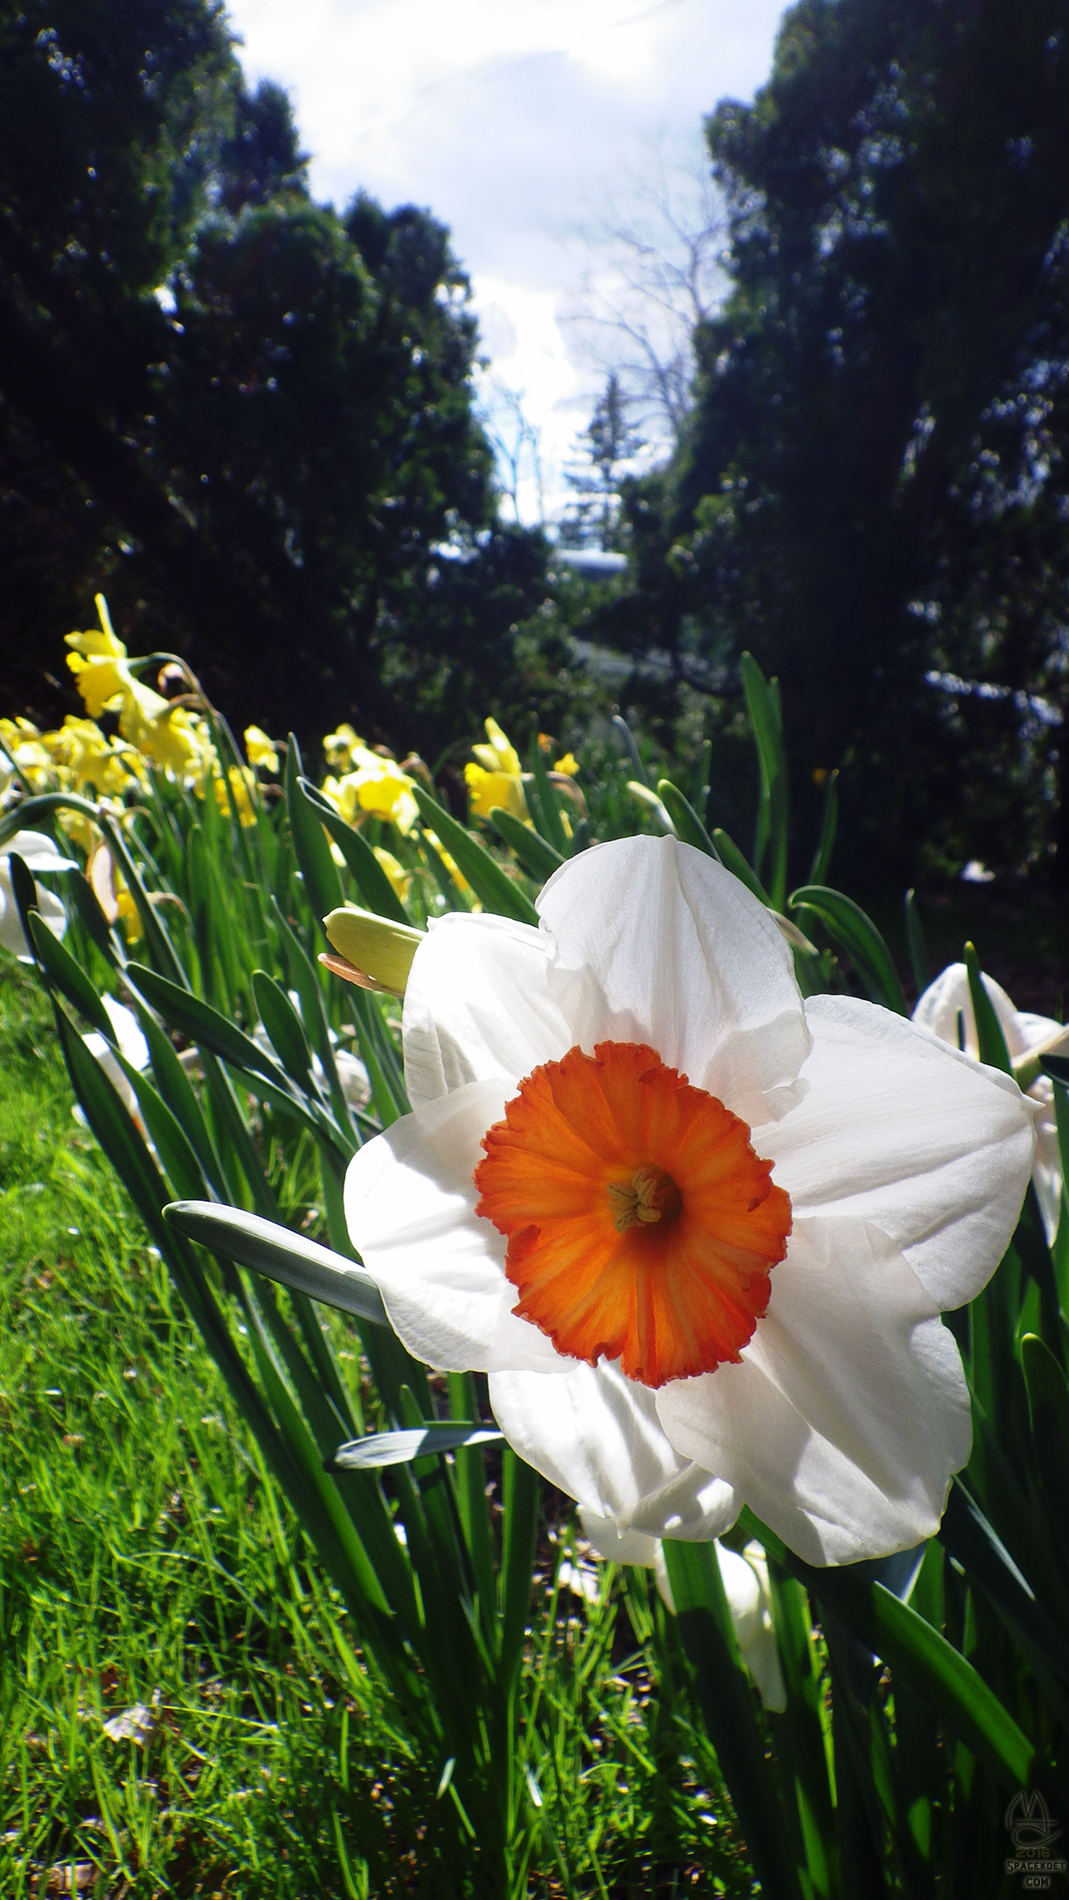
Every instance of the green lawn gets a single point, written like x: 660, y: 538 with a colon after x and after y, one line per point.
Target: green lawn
x: 149, y: 1571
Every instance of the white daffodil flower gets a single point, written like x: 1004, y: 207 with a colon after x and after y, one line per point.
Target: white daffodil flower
x: 39, y: 854
x: 131, y: 1043
x: 746, y: 1586
x: 946, y: 1010
x: 690, y: 1295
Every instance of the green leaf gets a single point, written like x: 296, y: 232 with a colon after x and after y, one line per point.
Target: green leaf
x: 702, y: 770
x: 545, y: 804
x: 733, y: 860
x: 1048, y: 1406
x: 818, y: 870
x: 175, y: 1151
x: 115, y: 1130
x: 916, y: 944
x: 399, y: 1448
x: 280, y: 1255
x: 688, y: 826
x: 284, y: 1027
x: 992, y: 1042
x: 96, y: 925
x: 521, y: 1497
x: 25, y: 893
x: 728, y: 1707
x: 322, y: 885
x: 67, y: 975
x: 537, y: 857
x: 967, y: 1535
x: 936, y: 1671
x: 156, y: 937
x: 363, y: 866
x: 762, y: 703
x: 304, y: 977
x: 45, y: 805
x: 491, y: 884
x: 204, y: 1025
x: 856, y: 933
x: 628, y: 738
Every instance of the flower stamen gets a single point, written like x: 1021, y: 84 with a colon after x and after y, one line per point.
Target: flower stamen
x: 641, y: 1225
x: 651, y: 1195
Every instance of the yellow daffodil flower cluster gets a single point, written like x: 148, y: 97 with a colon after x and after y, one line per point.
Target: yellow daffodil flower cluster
x: 364, y: 781
x: 75, y: 757
x: 497, y: 779
x: 168, y: 733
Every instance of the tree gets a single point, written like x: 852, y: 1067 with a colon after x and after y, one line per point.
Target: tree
x: 517, y: 443
x: 874, y: 483
x: 656, y: 278
x: 610, y: 442
x: 246, y: 417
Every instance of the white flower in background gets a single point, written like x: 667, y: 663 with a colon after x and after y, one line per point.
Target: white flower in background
x: 946, y: 1010
x: 132, y: 1045
x: 689, y: 1296
x: 39, y: 854
x: 352, y: 1072
x: 745, y: 1580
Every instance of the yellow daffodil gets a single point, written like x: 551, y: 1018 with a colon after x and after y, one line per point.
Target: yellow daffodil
x: 339, y: 746
x: 496, y: 779
x: 242, y: 792
x: 569, y: 765
x: 97, y: 763
x: 169, y: 735
x: 373, y: 784
x: 499, y: 755
x: 99, y: 664
x: 24, y: 744
x: 452, y: 867
x: 399, y: 878
x: 260, y: 750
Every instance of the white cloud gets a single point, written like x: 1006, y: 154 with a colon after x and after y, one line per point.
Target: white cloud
x: 509, y: 119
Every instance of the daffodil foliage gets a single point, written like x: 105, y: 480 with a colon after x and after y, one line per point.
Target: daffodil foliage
x: 623, y: 1169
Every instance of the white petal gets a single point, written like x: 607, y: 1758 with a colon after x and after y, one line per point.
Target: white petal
x: 617, y: 1546
x: 849, y: 1412
x: 38, y: 852
x: 410, y: 1206
x: 1047, y: 1172
x: 478, y: 1005
x: 762, y: 1660
x: 902, y: 1130
x: 743, y: 1591
x: 949, y: 998
x: 12, y: 936
x: 100, y: 1047
x: 657, y: 943
x: 127, y: 1033
x: 596, y: 1436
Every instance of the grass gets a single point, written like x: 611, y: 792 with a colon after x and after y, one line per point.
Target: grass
x: 181, y: 1711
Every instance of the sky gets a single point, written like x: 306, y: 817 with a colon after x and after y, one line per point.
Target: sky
x: 524, y: 125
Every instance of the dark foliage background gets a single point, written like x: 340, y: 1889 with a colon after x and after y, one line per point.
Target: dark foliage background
x: 249, y: 420
x: 246, y: 418
x: 873, y: 486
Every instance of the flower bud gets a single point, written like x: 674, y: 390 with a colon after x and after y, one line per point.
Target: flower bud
x: 374, y: 946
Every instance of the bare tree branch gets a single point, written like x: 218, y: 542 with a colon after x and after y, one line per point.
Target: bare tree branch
x: 657, y: 275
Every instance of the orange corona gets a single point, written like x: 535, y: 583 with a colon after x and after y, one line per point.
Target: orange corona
x: 641, y: 1225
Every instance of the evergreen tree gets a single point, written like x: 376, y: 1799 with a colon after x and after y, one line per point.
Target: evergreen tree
x: 609, y: 443
x: 244, y: 416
